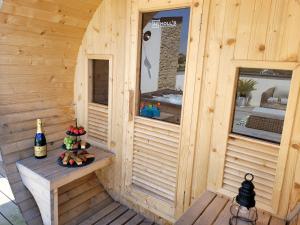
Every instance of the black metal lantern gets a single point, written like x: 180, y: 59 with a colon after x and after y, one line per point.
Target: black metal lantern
x: 243, y: 209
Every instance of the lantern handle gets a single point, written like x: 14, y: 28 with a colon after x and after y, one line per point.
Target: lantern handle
x: 249, y: 175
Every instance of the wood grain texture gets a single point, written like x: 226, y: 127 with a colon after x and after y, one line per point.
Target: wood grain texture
x: 260, y: 160
x: 105, y: 38
x: 45, y: 177
x: 98, y: 123
x: 39, y: 44
x: 254, y: 33
x: 38, y: 49
x: 248, y: 31
x: 213, y: 209
x: 154, y: 168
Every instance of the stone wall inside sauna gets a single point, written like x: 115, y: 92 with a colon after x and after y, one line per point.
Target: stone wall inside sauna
x: 169, y: 53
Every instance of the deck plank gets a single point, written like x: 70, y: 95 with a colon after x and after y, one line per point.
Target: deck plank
x: 10, y: 211
x: 263, y: 218
x: 276, y: 221
x: 146, y: 222
x: 212, y: 211
x: 4, y: 221
x: 135, y: 220
x: 67, y: 206
x: 124, y: 218
x: 112, y: 216
x: 224, y: 215
x: 96, y: 217
x: 5, y: 188
x: 86, y: 214
x: 193, y: 213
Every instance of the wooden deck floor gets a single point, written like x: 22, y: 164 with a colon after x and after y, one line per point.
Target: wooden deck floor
x: 113, y: 213
x: 9, y: 212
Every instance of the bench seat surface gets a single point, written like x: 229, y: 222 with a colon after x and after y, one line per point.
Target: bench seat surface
x: 54, y: 175
x: 214, y: 209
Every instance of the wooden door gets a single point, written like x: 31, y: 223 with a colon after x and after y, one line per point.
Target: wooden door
x: 156, y: 151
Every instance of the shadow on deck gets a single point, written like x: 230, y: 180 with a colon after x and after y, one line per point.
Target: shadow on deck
x: 9, y: 211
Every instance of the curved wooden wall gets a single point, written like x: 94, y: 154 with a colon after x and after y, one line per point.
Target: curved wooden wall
x: 105, y: 37
x: 39, y: 42
x: 262, y: 31
x: 248, y: 31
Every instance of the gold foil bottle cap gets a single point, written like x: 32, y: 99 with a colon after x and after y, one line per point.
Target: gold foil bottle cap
x: 39, y: 125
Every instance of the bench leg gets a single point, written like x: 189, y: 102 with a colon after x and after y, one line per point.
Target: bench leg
x: 46, y: 200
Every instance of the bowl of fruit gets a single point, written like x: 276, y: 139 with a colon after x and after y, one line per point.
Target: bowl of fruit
x: 76, y: 131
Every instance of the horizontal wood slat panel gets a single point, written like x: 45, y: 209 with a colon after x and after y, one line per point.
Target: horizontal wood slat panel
x: 38, y: 54
x: 163, y: 171
x: 80, y: 196
x: 155, y: 157
x: 98, y: 122
x: 260, y: 159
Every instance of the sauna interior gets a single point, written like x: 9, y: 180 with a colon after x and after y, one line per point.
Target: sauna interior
x: 183, y: 97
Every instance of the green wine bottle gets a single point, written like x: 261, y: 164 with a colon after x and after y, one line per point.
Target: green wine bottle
x: 40, y: 143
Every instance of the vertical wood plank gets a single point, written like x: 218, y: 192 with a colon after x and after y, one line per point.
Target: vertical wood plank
x: 276, y: 29
x: 287, y: 154
x: 290, y: 40
x: 191, y: 96
x: 209, y: 85
x: 225, y: 89
x: 257, y: 44
x: 244, y: 29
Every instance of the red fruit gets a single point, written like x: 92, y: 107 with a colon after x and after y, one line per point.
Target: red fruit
x: 62, y: 155
x: 81, y: 131
x: 71, y: 161
x: 76, y: 131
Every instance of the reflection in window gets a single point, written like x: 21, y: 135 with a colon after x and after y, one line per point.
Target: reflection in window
x: 100, y: 76
x: 261, y: 101
x: 163, y: 60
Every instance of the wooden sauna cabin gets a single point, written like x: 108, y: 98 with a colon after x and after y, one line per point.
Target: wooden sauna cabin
x: 178, y: 97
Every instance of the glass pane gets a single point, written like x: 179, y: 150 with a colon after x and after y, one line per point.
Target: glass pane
x: 163, y: 60
x: 100, y: 76
x: 261, y: 101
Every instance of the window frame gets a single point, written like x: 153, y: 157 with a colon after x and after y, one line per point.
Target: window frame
x: 233, y: 109
x: 90, y: 77
x: 89, y: 91
x: 289, y: 119
x: 136, y: 107
x: 237, y: 64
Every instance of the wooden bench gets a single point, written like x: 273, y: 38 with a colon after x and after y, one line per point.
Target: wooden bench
x: 43, y: 177
x: 213, y: 209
